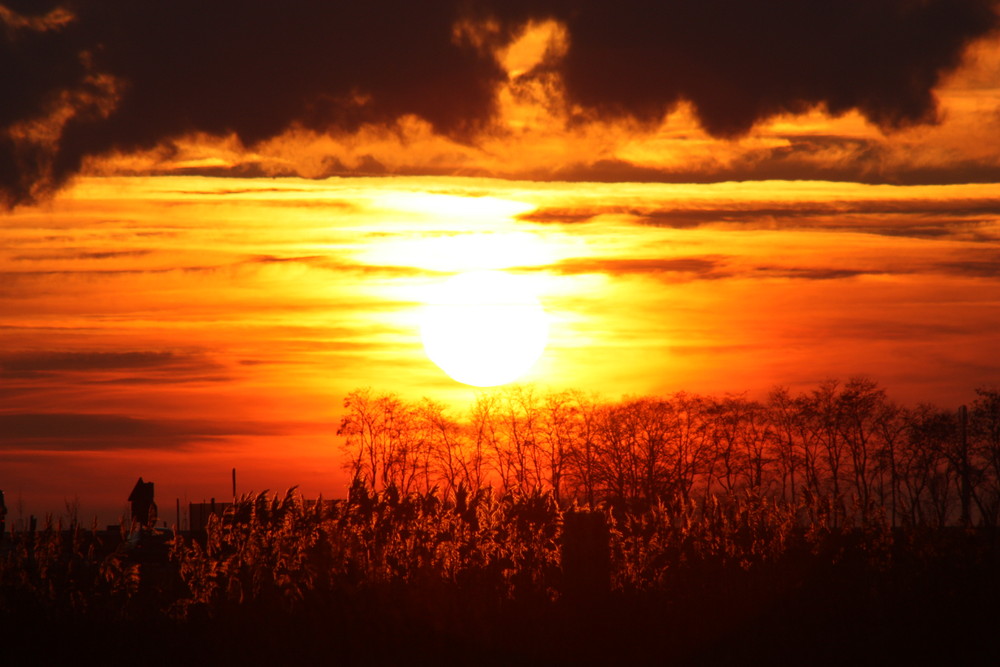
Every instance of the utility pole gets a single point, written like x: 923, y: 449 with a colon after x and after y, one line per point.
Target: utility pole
x: 964, y: 476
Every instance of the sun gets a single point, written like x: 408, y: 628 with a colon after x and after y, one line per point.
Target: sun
x: 484, y: 328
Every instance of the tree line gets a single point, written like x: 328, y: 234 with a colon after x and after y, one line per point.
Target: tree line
x: 843, y: 448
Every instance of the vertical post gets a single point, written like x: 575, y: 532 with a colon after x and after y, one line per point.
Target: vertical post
x: 964, y: 476
x: 586, y: 557
x: 32, y: 527
x: 234, y: 483
x: 178, y: 514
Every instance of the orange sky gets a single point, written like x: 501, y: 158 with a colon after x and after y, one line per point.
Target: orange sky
x: 207, y: 299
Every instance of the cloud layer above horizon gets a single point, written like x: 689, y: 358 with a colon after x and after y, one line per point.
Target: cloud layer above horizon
x: 86, y: 79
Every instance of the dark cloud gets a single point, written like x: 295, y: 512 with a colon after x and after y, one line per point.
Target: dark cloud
x: 833, y: 158
x: 253, y: 191
x: 698, y: 267
x: 982, y: 264
x: 71, y: 254
x: 558, y: 215
x: 130, y: 75
x: 105, y: 75
x: 96, y: 368
x: 10, y: 277
x: 685, y: 269
x: 329, y: 263
x: 968, y: 219
x: 810, y: 273
x: 802, y: 161
x: 972, y: 263
x: 87, y: 431
x: 28, y: 283
x: 739, y: 62
x: 32, y: 362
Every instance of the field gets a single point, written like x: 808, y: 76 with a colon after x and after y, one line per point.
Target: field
x: 828, y: 528
x: 382, y: 579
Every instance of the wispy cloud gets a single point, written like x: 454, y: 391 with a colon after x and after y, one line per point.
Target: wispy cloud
x: 33, y: 362
x: 125, y: 367
x: 919, y: 217
x: 100, y: 432
x: 74, y: 254
x: 691, y: 268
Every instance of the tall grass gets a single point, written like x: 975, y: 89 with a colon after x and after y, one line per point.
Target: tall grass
x: 482, y: 570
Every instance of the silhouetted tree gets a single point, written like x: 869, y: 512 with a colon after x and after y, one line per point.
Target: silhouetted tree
x: 926, y: 483
x: 840, y: 452
x: 582, y: 470
x: 382, y: 440
x: 784, y: 417
x: 984, y: 431
x: 861, y: 406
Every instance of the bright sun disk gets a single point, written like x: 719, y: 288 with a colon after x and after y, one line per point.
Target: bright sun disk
x: 484, y: 328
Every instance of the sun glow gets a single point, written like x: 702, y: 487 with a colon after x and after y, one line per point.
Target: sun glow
x: 484, y: 328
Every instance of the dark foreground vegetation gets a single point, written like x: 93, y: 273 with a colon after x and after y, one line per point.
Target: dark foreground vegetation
x: 831, y: 528
x: 479, y: 580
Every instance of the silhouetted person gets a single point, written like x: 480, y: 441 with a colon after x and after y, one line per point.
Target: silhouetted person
x: 143, y: 507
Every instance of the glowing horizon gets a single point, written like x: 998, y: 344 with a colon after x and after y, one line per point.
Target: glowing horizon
x: 168, y: 318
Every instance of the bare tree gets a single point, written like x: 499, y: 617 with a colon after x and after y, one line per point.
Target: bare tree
x: 616, y: 460
x: 561, y: 427
x: 742, y: 441
x: 449, y: 461
x: 860, y: 405
x: 891, y: 426
x: 784, y: 418
x: 381, y: 440
x: 582, y: 463
x: 984, y: 430
x: 487, y: 437
x: 841, y: 450
x: 822, y: 412
x: 690, y: 449
x: 926, y: 483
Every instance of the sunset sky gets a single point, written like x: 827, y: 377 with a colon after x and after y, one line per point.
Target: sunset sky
x: 217, y: 219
